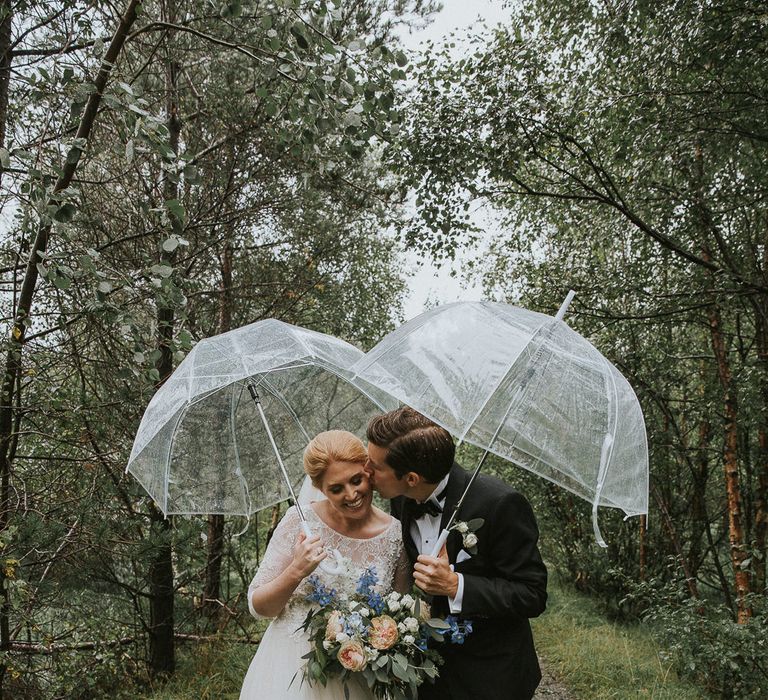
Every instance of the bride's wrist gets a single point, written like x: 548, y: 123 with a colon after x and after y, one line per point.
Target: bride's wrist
x: 296, y: 573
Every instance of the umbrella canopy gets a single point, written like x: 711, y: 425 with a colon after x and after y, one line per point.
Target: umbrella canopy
x: 526, y: 387
x: 202, y: 446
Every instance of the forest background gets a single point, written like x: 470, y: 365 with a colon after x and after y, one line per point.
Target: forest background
x: 171, y: 169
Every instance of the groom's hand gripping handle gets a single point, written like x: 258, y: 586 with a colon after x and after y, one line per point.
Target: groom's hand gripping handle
x: 434, y: 575
x: 440, y: 543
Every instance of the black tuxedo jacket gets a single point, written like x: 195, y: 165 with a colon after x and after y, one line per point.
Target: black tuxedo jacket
x: 505, y: 583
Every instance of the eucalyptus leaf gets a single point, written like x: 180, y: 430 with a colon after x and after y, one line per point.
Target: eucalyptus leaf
x: 65, y: 212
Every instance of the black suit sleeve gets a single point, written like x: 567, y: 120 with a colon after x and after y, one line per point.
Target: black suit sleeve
x: 516, y: 584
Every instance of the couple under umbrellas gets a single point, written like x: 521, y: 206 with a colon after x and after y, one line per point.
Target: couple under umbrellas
x: 226, y: 434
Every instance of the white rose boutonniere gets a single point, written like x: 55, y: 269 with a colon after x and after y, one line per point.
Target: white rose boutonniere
x: 467, y: 530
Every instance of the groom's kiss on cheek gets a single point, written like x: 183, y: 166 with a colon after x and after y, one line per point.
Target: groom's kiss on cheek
x: 383, y: 477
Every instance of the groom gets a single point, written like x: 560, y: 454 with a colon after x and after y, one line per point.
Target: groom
x: 499, y: 587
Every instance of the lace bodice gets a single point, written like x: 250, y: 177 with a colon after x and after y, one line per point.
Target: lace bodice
x: 384, y: 551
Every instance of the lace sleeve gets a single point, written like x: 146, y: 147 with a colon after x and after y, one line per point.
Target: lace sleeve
x: 279, y: 553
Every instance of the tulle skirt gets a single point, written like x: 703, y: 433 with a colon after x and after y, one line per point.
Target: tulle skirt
x: 276, y: 670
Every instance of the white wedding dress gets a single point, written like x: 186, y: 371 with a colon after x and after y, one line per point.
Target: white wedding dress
x: 276, y: 669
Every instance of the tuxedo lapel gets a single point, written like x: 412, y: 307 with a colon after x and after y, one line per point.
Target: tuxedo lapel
x: 406, y: 518
x: 457, y: 482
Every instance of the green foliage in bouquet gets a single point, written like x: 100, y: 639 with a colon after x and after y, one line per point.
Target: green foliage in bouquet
x: 382, y: 638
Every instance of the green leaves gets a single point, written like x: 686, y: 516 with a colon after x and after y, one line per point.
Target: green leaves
x: 163, y: 270
x: 231, y: 9
x: 65, y: 213
x: 298, y: 30
x: 176, y: 214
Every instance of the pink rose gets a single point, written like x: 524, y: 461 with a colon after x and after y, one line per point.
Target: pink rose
x: 334, y: 626
x: 383, y: 632
x: 352, y: 656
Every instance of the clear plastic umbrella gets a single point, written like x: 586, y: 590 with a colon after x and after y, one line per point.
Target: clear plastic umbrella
x: 204, y: 447
x: 526, y: 387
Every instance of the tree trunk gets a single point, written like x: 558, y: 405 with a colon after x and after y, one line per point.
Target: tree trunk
x: 700, y: 476
x: 273, y: 521
x: 731, y: 467
x: 690, y: 581
x: 6, y: 20
x: 212, y: 591
x: 761, y: 496
x: 23, y: 310
x: 162, y: 651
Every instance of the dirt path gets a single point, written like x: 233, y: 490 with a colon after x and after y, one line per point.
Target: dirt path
x: 550, y: 687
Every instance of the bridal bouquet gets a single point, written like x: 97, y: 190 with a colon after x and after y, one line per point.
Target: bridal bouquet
x: 384, y: 638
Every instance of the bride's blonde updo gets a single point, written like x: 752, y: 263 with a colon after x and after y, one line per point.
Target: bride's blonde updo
x: 331, y: 446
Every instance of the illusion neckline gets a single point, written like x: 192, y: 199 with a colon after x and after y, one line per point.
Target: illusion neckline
x: 347, y: 537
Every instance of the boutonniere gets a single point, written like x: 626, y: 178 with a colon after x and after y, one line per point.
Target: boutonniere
x: 468, y: 530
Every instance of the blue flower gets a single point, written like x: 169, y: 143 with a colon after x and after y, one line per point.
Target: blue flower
x: 422, y: 643
x: 353, y: 624
x: 320, y: 594
x: 457, y: 631
x: 376, y: 603
x: 367, y: 581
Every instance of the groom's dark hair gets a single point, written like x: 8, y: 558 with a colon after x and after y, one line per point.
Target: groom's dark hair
x: 414, y: 443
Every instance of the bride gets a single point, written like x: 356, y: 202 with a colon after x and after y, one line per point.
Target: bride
x: 345, y: 519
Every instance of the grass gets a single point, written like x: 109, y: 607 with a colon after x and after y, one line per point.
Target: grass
x: 212, y: 671
x: 597, y: 659
x: 594, y: 658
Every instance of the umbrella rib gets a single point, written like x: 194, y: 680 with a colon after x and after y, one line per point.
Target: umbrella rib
x: 405, y: 337
x: 606, y: 453
x: 171, y: 443
x: 238, y: 470
x: 278, y: 395
x: 547, y: 325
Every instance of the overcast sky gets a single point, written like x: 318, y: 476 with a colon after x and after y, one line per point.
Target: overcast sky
x: 431, y: 283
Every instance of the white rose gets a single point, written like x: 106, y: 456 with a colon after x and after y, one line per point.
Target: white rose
x: 394, y: 595
x: 462, y: 527
x: 402, y: 628
x: 342, y: 637
x: 393, y: 605
x: 371, y: 653
x: 409, y: 639
x: 411, y: 624
x: 364, y: 611
x: 408, y: 602
x: 470, y: 540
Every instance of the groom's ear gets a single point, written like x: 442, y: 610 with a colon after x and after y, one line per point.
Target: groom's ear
x: 413, y: 479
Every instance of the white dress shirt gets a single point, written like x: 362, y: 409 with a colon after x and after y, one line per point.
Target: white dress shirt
x: 425, y: 532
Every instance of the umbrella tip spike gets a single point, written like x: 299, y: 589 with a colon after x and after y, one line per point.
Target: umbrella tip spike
x: 564, y: 306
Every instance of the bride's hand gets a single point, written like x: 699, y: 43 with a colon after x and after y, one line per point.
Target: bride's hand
x: 307, y: 554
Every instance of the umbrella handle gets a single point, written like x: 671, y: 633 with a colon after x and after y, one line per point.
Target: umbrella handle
x: 440, y: 542
x: 334, y: 567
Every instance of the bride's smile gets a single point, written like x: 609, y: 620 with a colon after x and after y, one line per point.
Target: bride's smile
x: 347, y: 488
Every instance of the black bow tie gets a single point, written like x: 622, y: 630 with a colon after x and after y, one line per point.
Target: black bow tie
x: 428, y: 507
